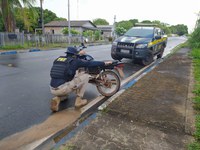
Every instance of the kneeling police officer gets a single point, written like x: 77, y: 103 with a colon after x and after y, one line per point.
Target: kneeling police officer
x: 66, y: 76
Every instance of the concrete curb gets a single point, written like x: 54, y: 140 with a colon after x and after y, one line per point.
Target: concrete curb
x: 126, y: 84
x: 131, y: 81
x: 19, y: 51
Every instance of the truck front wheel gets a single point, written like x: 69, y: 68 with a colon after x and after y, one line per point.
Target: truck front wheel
x: 147, y: 60
x: 115, y: 57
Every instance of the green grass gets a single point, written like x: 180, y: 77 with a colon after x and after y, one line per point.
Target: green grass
x: 195, y: 54
x: 12, y: 47
x: 194, y: 146
x: 33, y: 45
x: 194, y: 43
x: 197, y: 124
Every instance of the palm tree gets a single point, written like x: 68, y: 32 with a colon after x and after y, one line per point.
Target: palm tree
x: 7, y: 8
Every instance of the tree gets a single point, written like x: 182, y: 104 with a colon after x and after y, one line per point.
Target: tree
x: 179, y: 29
x: 26, y: 19
x: 48, y: 15
x: 7, y: 11
x: 1, y: 24
x: 146, y: 21
x: 163, y: 26
x: 100, y: 21
x: 97, y: 35
x: 120, y: 30
x: 134, y: 21
x: 59, y: 19
x: 125, y: 24
x: 182, y: 29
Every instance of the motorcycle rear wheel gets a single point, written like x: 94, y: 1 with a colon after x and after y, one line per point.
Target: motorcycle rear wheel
x: 108, y: 83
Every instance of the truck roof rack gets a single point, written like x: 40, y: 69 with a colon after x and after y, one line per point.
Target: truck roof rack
x: 145, y: 25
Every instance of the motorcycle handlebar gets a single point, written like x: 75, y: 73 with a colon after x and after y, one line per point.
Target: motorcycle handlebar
x: 81, y: 47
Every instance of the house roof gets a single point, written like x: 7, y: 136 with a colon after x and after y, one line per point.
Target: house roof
x: 105, y: 27
x: 73, y: 23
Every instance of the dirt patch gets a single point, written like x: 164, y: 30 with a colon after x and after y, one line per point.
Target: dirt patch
x: 53, y: 124
x: 160, y: 96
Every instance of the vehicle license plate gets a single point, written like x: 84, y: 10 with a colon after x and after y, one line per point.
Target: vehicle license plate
x: 125, y: 51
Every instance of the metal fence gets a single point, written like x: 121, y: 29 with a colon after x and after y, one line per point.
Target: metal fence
x: 7, y: 39
x: 11, y: 39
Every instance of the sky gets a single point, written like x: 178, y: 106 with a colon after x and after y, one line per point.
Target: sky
x: 172, y: 12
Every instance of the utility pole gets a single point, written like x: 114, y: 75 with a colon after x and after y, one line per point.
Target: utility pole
x: 42, y: 16
x: 69, y: 28
x: 114, y: 34
x: 77, y: 9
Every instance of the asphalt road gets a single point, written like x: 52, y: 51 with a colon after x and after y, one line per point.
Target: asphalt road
x: 24, y: 91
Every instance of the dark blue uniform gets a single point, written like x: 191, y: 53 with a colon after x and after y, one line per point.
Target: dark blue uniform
x: 75, y: 64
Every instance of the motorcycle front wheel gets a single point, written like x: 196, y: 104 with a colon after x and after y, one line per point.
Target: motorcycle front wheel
x: 108, y: 83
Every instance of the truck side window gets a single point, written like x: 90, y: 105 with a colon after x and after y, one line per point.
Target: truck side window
x: 159, y: 32
x: 155, y: 33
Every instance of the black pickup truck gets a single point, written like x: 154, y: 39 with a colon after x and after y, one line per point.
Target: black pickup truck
x: 140, y: 43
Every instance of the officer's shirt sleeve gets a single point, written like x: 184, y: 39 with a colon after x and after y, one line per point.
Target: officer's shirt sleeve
x: 85, y: 63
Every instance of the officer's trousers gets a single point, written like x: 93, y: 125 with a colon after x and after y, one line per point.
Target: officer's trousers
x: 77, y: 85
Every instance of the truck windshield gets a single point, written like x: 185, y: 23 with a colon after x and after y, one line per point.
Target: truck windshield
x: 140, y: 32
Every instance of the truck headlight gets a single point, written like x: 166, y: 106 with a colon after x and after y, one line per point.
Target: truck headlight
x: 114, y: 44
x: 141, y: 46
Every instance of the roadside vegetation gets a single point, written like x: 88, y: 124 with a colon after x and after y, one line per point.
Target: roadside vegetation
x: 194, y: 43
x: 23, y: 17
x: 179, y: 29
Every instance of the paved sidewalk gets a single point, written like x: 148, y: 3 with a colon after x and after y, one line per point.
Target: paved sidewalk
x: 154, y: 114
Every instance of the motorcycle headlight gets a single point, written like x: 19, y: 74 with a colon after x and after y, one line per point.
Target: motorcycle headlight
x: 141, y: 45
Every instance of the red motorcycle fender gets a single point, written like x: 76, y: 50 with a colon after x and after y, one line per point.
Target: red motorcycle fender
x: 119, y: 69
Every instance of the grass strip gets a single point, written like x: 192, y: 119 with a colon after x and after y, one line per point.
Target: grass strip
x: 195, y: 53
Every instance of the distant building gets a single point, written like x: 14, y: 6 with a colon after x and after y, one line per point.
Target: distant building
x: 107, y: 30
x: 56, y: 27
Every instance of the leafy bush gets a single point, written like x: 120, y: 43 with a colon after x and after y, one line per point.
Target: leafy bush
x: 194, y: 40
x: 97, y: 35
x: 194, y: 146
x: 110, y: 39
x: 73, y: 31
x: 88, y: 33
x: 120, y: 30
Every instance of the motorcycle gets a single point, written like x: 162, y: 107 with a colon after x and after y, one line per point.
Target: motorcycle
x: 107, y: 79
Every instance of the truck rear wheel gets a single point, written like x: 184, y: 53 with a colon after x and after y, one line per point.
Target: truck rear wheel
x: 161, y: 53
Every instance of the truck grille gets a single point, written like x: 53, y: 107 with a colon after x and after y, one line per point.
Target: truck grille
x: 125, y: 45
